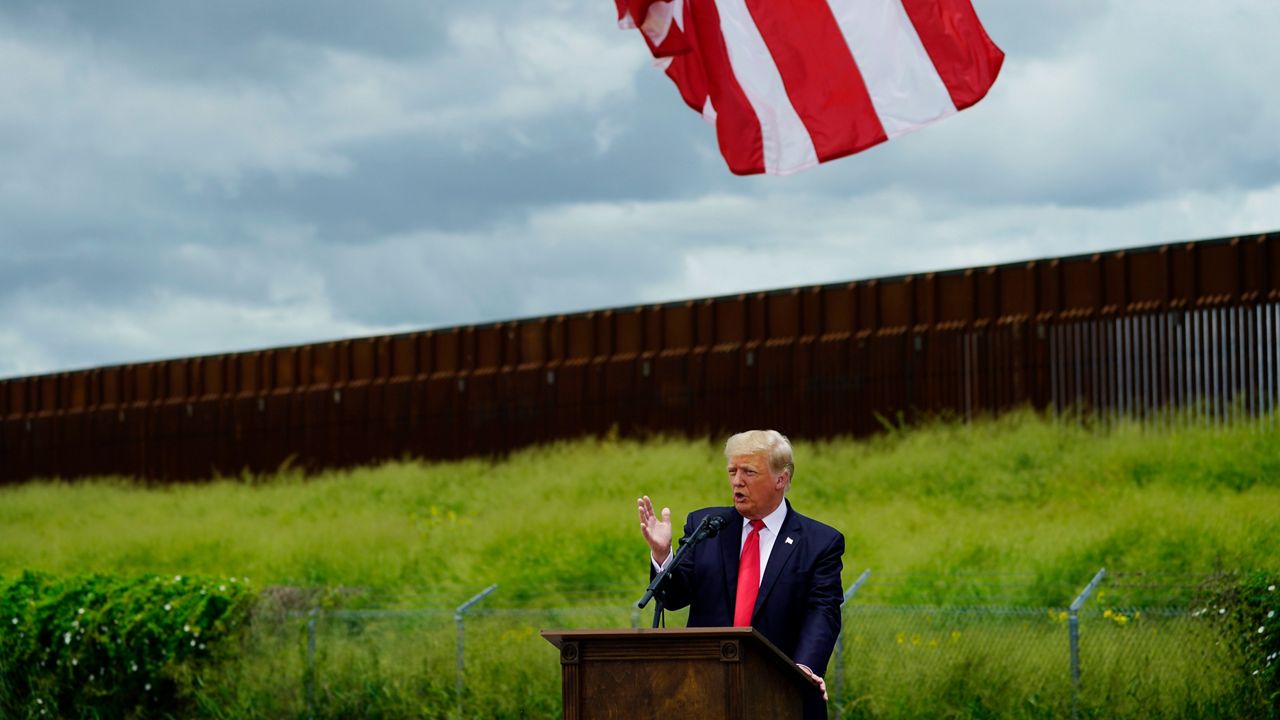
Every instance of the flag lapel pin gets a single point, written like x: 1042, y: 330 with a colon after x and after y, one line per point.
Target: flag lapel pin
x: 789, y: 542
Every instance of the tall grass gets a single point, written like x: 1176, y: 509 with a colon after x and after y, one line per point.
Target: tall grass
x: 1022, y: 495
x: 1018, y: 511
x: 898, y: 662
x: 913, y: 662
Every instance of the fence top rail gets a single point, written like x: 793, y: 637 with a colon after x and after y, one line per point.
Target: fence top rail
x: 1015, y: 611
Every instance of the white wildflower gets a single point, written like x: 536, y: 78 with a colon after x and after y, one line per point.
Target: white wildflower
x: 147, y: 687
x: 1271, y: 588
x: 75, y: 661
x: 1262, y: 629
x: 193, y: 643
x: 80, y: 611
x: 177, y: 578
x: 15, y: 621
x: 66, y: 638
x: 1269, y: 615
x: 133, y: 667
x: 167, y: 607
x: 222, y: 588
x: 186, y: 628
x: 1222, y: 611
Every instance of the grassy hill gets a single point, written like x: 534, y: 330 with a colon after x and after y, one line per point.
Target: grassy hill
x: 1023, y: 509
x: 978, y: 536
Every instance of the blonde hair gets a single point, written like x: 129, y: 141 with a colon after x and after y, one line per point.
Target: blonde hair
x: 772, y: 443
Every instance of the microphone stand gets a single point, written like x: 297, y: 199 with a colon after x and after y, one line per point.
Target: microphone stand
x: 710, y: 525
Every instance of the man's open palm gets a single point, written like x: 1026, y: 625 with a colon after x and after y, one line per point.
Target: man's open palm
x: 655, y: 528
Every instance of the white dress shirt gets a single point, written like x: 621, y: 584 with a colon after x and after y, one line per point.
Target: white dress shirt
x: 768, y: 534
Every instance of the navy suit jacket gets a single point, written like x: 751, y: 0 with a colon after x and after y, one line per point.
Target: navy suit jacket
x: 798, y: 606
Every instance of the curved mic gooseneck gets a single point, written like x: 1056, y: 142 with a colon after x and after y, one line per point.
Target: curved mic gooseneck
x: 710, y: 525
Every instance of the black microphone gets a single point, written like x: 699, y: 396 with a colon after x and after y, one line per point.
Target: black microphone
x: 710, y: 525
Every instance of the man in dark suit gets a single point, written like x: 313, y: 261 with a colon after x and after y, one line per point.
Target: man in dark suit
x: 770, y: 567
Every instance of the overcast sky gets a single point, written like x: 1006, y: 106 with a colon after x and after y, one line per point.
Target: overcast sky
x: 185, y: 177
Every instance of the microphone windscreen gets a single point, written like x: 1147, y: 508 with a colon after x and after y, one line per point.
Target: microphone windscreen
x: 714, y: 525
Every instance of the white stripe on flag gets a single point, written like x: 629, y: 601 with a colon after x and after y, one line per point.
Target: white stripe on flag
x: 658, y: 22
x: 901, y: 79
x: 787, y: 145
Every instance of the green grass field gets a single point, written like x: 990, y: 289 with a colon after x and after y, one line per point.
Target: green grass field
x: 1015, y: 512
x: 1016, y: 496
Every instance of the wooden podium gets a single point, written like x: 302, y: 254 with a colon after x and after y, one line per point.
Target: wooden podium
x: 676, y: 673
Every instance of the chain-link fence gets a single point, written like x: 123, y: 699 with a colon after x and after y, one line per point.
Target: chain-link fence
x: 893, y: 660
x: 930, y: 661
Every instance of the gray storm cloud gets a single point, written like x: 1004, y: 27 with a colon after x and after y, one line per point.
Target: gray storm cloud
x: 181, y: 177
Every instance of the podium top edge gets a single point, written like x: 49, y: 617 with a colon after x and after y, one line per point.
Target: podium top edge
x: 559, y: 636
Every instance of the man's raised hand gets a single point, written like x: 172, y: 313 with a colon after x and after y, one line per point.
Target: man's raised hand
x: 656, y: 529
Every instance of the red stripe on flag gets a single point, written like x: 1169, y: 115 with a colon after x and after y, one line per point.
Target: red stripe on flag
x: 966, y: 59
x: 820, y: 74
x: 737, y: 127
x: 686, y: 72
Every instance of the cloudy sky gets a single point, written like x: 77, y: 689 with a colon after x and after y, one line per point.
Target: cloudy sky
x: 184, y: 177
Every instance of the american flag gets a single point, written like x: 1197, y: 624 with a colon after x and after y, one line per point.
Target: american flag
x: 792, y: 84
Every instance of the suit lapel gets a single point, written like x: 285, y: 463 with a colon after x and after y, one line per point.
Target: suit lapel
x: 779, y: 555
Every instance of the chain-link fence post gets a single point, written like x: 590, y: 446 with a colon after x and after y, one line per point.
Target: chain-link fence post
x: 1073, y: 630
x: 838, y: 661
x: 457, y: 619
x: 310, y: 676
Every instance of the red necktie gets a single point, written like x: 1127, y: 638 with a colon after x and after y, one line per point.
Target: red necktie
x: 748, y: 577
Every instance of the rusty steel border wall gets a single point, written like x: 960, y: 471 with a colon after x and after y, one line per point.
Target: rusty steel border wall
x: 1128, y: 332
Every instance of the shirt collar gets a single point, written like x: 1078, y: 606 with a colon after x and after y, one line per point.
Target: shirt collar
x: 772, y: 521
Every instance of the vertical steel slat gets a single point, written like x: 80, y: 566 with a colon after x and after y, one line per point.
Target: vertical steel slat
x: 1052, y: 339
x: 1191, y: 374
x: 1268, y: 345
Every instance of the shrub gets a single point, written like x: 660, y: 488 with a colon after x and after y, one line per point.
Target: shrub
x: 103, y: 646
x: 1259, y: 610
